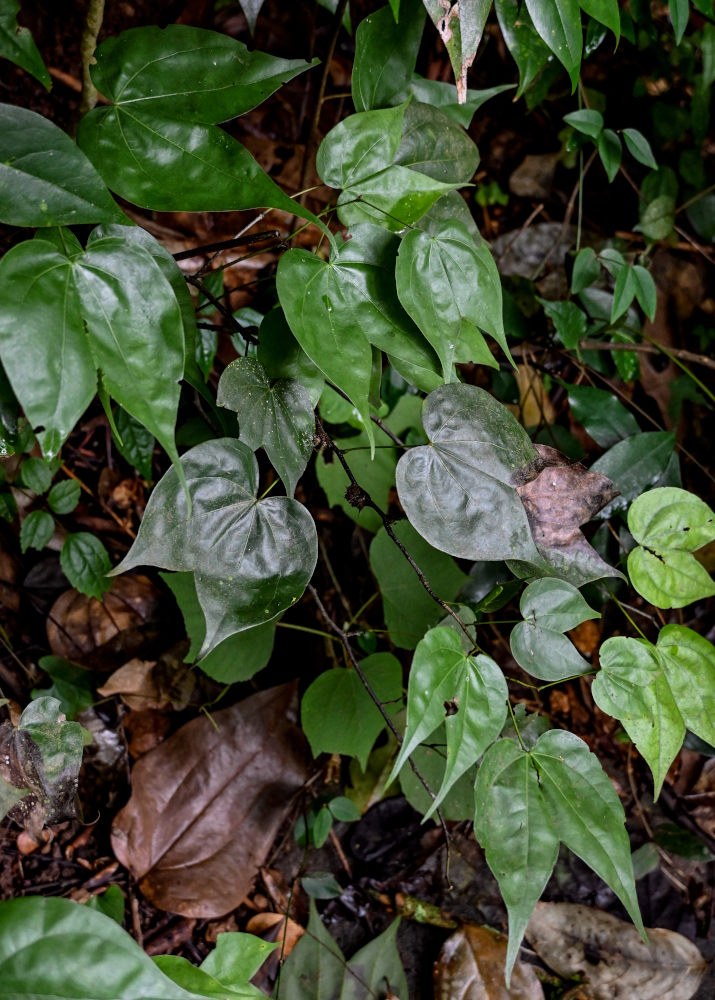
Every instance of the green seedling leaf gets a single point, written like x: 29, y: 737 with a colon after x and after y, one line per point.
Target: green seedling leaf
x: 669, y: 524
x: 513, y: 824
x: 110, y: 309
x: 460, y: 27
x: 64, y: 496
x: 465, y: 693
x: 635, y: 463
x: 658, y: 691
x: 609, y: 149
x: 385, y: 56
x: 558, y: 22
x: 321, y: 885
x: 601, y: 414
x: 157, y: 143
x: 569, y: 321
x: 36, y: 530
x: 276, y: 416
x: 137, y: 443
x: 343, y: 810
x: 639, y: 147
x: 111, y: 903
x: 180, y: 971
x: 85, y: 562
x: 522, y: 40
x: 45, y: 180
x: 236, y: 958
x: 322, y: 825
x: 657, y: 218
x: 459, y: 491
x: 444, y: 96
x: 586, y: 270
x: 339, y: 716
x: 408, y: 609
x: 375, y: 965
x: 16, y: 44
x: 450, y: 287
x: 252, y: 558
x: 36, y: 475
x: 550, y: 608
x: 645, y: 291
x: 71, y: 685
x: 586, y: 121
x: 31, y: 965
x: 605, y: 12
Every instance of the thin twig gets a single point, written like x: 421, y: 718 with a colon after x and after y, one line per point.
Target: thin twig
x: 600, y: 345
x: 233, y: 324
x: 567, y: 217
x: 268, y: 234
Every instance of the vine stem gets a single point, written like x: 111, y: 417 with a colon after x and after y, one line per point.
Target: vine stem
x: 90, y: 31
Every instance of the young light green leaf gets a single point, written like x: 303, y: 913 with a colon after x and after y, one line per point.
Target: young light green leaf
x: 601, y: 414
x: 645, y: 290
x: 605, y: 12
x: 550, y: 608
x: 252, y: 558
x: 64, y: 496
x: 85, y: 562
x: 586, y: 270
x: 339, y: 716
x: 466, y: 693
x: 639, y: 147
x: 558, y: 22
x: 409, y: 610
x: 587, y: 121
x: 45, y: 180
x: 514, y: 826
x: 688, y: 660
x: 459, y: 491
x: 36, y: 530
x: 181, y: 971
x: 450, y: 285
x: 610, y: 151
x: 522, y: 40
x: 111, y: 903
x: 669, y: 524
x: 236, y: 958
x: 385, y: 55
x: 17, y: 45
x: 36, y: 475
x: 460, y: 28
x: 276, y: 416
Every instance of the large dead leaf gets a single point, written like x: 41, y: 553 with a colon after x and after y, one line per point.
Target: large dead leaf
x: 562, y: 497
x: 471, y: 967
x: 207, y: 803
x: 610, y: 955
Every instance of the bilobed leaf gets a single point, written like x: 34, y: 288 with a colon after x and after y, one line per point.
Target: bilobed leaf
x: 514, y: 826
x: 45, y: 180
x: 601, y: 414
x: 550, y: 608
x: 252, y: 558
x: 639, y: 147
x: 449, y: 284
x: 276, y: 416
x: 339, y: 716
x: 669, y: 524
x: 385, y: 55
x: 36, y: 530
x: 558, y: 22
x: 605, y: 12
x: 460, y: 26
x: 17, y: 45
x: 587, y: 121
x: 459, y: 491
x: 522, y: 40
x: 85, y: 562
x: 466, y: 693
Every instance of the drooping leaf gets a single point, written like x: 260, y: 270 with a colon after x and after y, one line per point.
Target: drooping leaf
x: 209, y: 800
x: 679, y: 14
x: 459, y: 491
x: 444, y: 96
x: 522, y: 40
x: 431, y: 761
x: 550, y: 608
x: 639, y: 147
x: 605, y: 12
x: 587, y: 121
x: 251, y: 8
x: 467, y: 694
x: 45, y: 180
x: 16, y: 44
x: 450, y: 285
x: 558, y: 22
x: 276, y: 416
x: 385, y: 55
x: 460, y: 26
x: 601, y: 414
x: 252, y: 558
x: 339, y: 716
x: 645, y: 291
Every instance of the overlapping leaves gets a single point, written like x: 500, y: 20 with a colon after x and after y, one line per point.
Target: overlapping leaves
x: 550, y: 608
x: 656, y: 691
x: 252, y: 558
x: 527, y: 802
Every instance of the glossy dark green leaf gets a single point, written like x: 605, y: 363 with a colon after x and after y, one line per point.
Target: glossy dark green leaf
x: 514, y: 826
x: 136, y: 444
x: 558, y: 22
x: 64, y: 496
x: 444, y: 96
x: 669, y: 524
x: 460, y: 27
x: 601, y: 414
x: 408, y: 609
x: 610, y: 151
x: 339, y: 716
x: 276, y: 416
x: 467, y: 694
x: 71, y: 685
x: 434, y: 145
x: 569, y: 321
x: 360, y: 146
x: 252, y: 558
x: 639, y: 147
x: 282, y: 356
x: 17, y: 45
x: 45, y: 180
x: 36, y: 475
x: 605, y: 12
x: 586, y: 270
x: 97, y: 961
x: 459, y: 491
x: 385, y: 55
x: 587, y: 121
x: 36, y: 530
x: 450, y: 285
x: 634, y: 464
x: 85, y: 563
x: 522, y: 40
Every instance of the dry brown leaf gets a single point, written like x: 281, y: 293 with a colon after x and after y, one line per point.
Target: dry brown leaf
x: 207, y: 803
x: 105, y: 633
x: 471, y: 967
x: 561, y: 498
x: 144, y: 730
x: 611, y: 956
x: 135, y: 684
x: 534, y: 408
x: 275, y: 923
